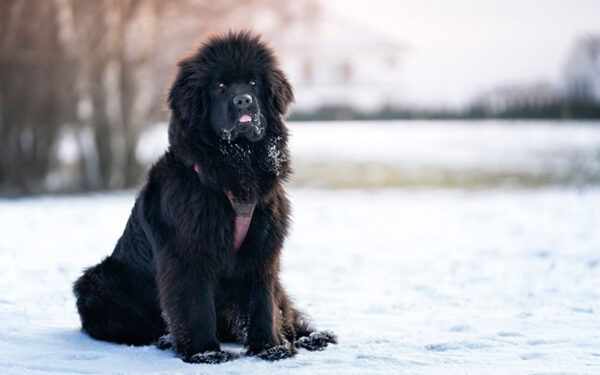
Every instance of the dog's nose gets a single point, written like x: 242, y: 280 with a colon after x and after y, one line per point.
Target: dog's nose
x: 242, y: 100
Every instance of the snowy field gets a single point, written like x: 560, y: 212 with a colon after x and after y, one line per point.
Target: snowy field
x: 413, y: 282
x: 483, y: 259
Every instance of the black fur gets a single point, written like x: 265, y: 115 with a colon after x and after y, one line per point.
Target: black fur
x: 174, y: 278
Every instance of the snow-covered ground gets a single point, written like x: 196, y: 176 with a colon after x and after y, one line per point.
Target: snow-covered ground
x: 412, y: 281
x: 423, y: 279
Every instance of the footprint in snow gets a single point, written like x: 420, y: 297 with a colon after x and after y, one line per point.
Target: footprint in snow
x: 582, y: 310
x: 82, y: 356
x: 530, y: 356
x: 465, y: 345
x: 509, y: 334
x: 460, y: 328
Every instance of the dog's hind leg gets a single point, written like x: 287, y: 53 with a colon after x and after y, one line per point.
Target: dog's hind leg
x: 118, y: 304
x: 298, y: 329
x: 308, y: 337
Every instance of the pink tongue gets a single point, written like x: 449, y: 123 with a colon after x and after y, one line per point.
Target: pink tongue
x: 245, y: 118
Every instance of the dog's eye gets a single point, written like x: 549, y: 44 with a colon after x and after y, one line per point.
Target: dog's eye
x: 220, y: 85
x: 252, y: 83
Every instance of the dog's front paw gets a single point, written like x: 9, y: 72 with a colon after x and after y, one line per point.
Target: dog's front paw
x: 212, y: 357
x: 164, y: 342
x: 316, y: 340
x: 273, y: 353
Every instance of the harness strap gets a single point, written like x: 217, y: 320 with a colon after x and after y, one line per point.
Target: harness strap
x: 243, y: 215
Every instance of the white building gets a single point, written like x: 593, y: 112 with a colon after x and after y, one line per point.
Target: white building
x: 582, y: 71
x: 332, y: 62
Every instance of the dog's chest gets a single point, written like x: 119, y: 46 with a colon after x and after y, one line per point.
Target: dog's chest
x: 243, y: 217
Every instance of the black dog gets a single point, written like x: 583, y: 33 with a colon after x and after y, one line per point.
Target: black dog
x: 198, y: 262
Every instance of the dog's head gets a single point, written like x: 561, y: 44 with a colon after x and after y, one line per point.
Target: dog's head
x: 230, y: 90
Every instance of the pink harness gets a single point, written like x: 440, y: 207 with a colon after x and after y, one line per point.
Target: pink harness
x: 243, y: 215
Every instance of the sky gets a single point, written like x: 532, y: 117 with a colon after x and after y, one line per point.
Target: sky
x: 457, y: 49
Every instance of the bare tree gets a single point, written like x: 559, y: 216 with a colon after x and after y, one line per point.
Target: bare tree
x: 105, y: 86
x: 34, y: 93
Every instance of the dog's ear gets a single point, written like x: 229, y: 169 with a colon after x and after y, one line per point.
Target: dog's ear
x: 184, y: 96
x: 186, y: 100
x: 279, y: 92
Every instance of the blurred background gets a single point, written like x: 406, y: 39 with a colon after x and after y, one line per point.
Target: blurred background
x: 471, y: 94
